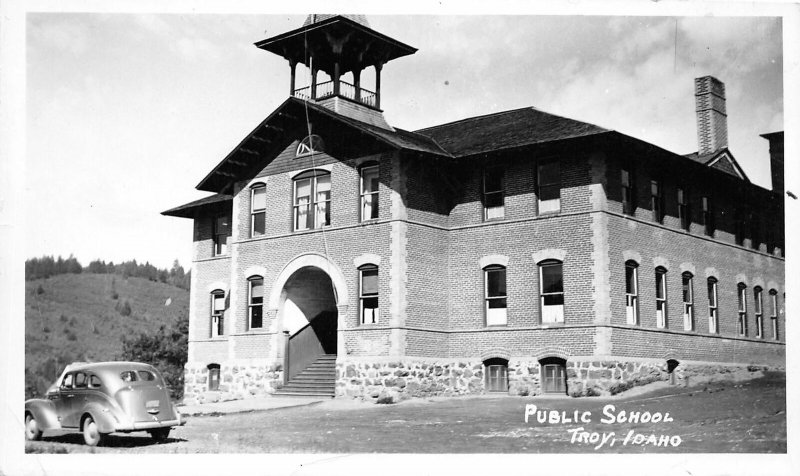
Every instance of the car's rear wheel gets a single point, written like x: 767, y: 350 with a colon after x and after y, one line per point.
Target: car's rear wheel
x: 32, y: 431
x: 91, y: 433
x: 160, y: 434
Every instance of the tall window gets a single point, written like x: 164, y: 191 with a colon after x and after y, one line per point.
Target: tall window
x: 368, y: 294
x: 551, y: 282
x: 708, y: 217
x: 255, y: 302
x: 656, y: 201
x: 222, y: 231
x: 493, y: 193
x: 549, y: 187
x: 632, y: 292
x: 688, y: 300
x: 496, y: 300
x: 683, y: 209
x: 661, y: 297
x: 758, y: 303
x: 627, y: 192
x: 217, y: 313
x: 773, y: 314
x: 713, y: 320
x: 312, y: 200
x: 739, y: 226
x: 369, y: 192
x: 742, y: 291
x: 258, y: 209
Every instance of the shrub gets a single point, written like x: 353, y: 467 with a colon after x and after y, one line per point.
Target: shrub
x: 124, y: 309
x: 39, y: 289
x: 45, y: 329
x: 114, y: 295
x: 71, y: 336
x: 63, y: 318
x: 166, y: 350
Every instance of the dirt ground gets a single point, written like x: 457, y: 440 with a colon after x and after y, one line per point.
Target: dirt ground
x: 735, y: 417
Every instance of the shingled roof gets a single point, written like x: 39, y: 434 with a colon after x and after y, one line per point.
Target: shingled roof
x: 212, y: 203
x: 506, y: 130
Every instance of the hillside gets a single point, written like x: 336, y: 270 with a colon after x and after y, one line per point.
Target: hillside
x: 82, y: 317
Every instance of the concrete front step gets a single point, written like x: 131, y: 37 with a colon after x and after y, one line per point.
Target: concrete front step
x: 318, y: 379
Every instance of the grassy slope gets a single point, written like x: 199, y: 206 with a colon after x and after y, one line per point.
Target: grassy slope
x: 76, y: 318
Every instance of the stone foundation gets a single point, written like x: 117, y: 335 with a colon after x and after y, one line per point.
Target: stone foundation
x: 389, y: 382
x: 238, y: 381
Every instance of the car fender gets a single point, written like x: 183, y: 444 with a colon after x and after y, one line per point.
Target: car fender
x: 102, y: 415
x: 44, y: 412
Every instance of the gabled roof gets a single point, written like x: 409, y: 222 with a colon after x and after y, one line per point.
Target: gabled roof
x: 506, y: 130
x: 204, y: 206
x: 289, y: 122
x: 721, y: 159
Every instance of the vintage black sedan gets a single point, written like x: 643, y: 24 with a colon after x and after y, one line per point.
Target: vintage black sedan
x: 101, y: 398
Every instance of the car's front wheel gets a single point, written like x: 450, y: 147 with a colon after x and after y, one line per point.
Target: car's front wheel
x: 32, y: 431
x: 91, y: 433
x: 160, y: 434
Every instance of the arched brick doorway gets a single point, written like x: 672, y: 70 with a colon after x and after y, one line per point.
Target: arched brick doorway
x: 307, y: 310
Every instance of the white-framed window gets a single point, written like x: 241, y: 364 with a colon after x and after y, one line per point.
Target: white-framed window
x: 661, y: 297
x: 773, y: 314
x: 632, y: 292
x: 551, y: 290
x: 255, y: 302
x: 258, y: 209
x: 217, y: 313
x: 549, y: 182
x: 758, y: 303
x: 627, y: 192
x: 221, y: 233
x: 369, y: 192
x: 311, y: 144
x: 683, y: 209
x: 656, y: 201
x: 495, y: 295
x: 369, y: 310
x: 312, y: 200
x: 687, y: 281
x: 494, y: 193
x: 713, y: 318
x: 742, y: 308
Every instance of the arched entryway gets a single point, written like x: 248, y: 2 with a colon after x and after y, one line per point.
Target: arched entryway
x: 554, y: 375
x: 307, y: 310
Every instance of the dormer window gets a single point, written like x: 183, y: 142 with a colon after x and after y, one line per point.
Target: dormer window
x: 312, y: 144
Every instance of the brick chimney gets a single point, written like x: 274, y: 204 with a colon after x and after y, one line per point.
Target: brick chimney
x: 712, y: 117
x: 776, y: 159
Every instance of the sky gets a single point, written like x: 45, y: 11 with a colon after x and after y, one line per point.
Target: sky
x: 126, y: 113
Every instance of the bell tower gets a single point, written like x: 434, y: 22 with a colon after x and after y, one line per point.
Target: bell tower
x: 337, y: 45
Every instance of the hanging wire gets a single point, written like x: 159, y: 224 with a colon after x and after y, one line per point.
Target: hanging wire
x: 314, y: 163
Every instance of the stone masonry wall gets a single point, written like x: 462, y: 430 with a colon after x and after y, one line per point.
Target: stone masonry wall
x: 389, y: 382
x: 237, y: 381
